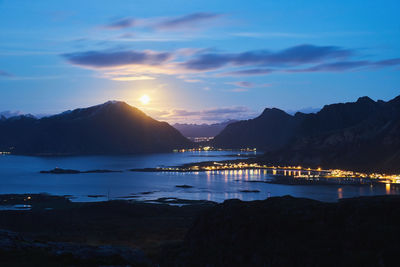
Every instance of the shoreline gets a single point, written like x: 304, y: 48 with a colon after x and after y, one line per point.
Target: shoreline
x: 278, y: 175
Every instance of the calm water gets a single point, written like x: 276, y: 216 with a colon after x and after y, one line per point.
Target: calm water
x: 20, y: 174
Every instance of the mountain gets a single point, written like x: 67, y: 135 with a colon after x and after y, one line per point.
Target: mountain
x: 269, y: 131
x: 201, y: 130
x: 362, y: 135
x: 8, y: 114
x: 111, y: 128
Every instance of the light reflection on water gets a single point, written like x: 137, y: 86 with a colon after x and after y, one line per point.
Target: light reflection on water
x: 387, y: 187
x: 20, y: 174
x: 15, y: 207
x: 340, y: 193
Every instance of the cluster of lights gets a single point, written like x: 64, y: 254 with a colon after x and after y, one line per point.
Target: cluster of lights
x: 294, y: 171
x: 210, y: 148
x: 200, y: 139
x: 205, y: 148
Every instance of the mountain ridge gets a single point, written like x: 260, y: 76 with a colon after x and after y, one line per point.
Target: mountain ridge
x: 113, y: 127
x: 361, y: 135
x: 201, y: 130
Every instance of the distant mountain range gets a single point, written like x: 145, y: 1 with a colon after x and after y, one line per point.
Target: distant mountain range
x: 363, y: 135
x: 201, y: 130
x: 111, y: 128
x: 8, y: 114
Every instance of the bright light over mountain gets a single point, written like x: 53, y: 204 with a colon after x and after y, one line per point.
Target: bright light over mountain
x: 144, y: 99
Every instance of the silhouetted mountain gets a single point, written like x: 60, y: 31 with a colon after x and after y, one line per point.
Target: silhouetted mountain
x: 363, y: 135
x: 201, y: 130
x: 8, y: 114
x: 111, y: 128
x: 269, y: 131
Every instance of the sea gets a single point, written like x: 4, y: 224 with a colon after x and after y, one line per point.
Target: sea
x: 21, y: 174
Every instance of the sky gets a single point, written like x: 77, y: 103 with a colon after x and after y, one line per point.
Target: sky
x: 197, y: 61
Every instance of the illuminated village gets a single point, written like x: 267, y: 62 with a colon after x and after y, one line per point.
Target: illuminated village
x: 296, y: 172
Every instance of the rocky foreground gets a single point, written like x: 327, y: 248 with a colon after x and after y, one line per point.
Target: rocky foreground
x: 281, y: 231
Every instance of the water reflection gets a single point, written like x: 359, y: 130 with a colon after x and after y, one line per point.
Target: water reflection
x: 21, y: 175
x: 238, y: 175
x: 340, y: 193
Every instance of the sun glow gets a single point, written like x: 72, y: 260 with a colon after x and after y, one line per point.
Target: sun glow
x: 145, y: 99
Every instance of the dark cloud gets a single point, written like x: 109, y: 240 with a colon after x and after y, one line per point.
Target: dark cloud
x: 297, y: 59
x: 120, y: 24
x: 208, y: 62
x: 293, y: 56
x: 208, y: 112
x: 229, y: 110
x: 183, y: 113
x: 248, y: 72
x: 209, y: 115
x: 243, y: 84
x: 348, y: 65
x: 5, y: 74
x: 388, y: 62
x: 304, y: 54
x: 101, y: 59
x: 185, y: 21
x: 334, y: 67
x: 339, y: 66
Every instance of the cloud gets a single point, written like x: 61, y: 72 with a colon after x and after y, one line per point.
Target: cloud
x: 104, y: 59
x: 184, y: 22
x: 5, y: 74
x: 247, y: 72
x: 335, y: 67
x: 206, y: 115
x: 182, y: 113
x: 120, y: 24
x: 189, y: 63
x: 348, y: 65
x: 226, y: 110
x: 388, y: 62
x: 193, y: 80
x: 297, y: 55
x: 339, y: 66
x: 127, y: 78
x: 243, y: 84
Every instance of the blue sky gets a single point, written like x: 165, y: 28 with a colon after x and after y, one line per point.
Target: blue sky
x: 198, y: 61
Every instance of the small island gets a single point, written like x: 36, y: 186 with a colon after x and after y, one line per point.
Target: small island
x: 69, y: 171
x: 184, y: 186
